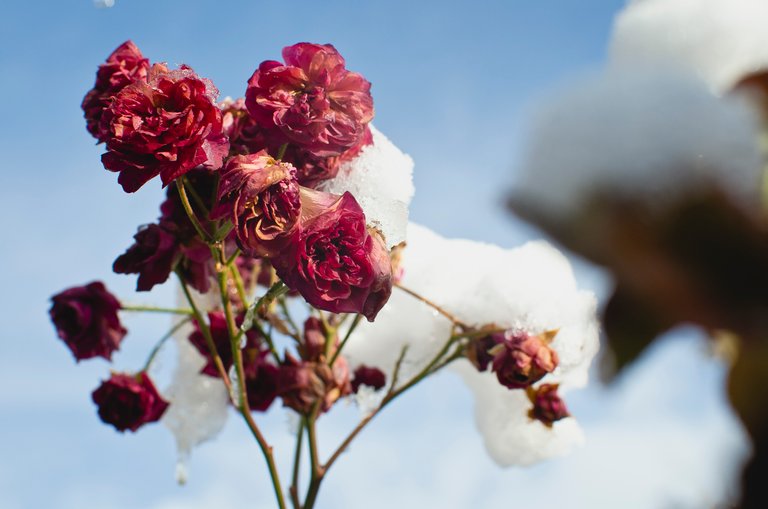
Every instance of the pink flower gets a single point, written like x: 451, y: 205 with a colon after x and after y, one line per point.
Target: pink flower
x: 337, y: 264
x: 166, y: 126
x: 127, y: 401
x: 261, y: 196
x: 124, y: 66
x: 548, y: 407
x: 86, y: 320
x: 521, y: 359
x: 312, y: 99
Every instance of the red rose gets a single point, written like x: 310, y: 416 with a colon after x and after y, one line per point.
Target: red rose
x: 312, y: 99
x: 165, y: 126
x: 261, y: 196
x: 86, y: 320
x: 127, y: 402
x: 152, y: 257
x: 370, y: 376
x: 548, y: 407
x: 522, y: 359
x: 337, y: 264
x: 124, y: 66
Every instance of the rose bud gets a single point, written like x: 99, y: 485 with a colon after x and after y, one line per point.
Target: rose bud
x: 301, y: 384
x: 523, y: 359
x: 548, y: 407
x: 313, y: 346
x: 152, y: 257
x: 127, y: 401
x: 261, y: 197
x: 337, y: 263
x: 312, y: 99
x: 86, y: 320
x: 261, y: 378
x: 124, y: 66
x: 165, y: 126
x: 479, y: 350
x: 370, y: 376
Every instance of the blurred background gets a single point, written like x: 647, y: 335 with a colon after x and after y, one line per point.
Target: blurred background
x: 454, y: 84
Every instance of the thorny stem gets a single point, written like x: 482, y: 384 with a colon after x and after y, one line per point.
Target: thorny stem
x: 434, y: 306
x: 162, y: 341
x: 201, y: 323
x: 237, y: 356
x: 155, y: 309
x: 190, y: 212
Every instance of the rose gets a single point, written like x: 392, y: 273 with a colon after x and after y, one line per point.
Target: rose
x: 165, y: 126
x: 123, y: 66
x: 86, y: 320
x: 370, y: 376
x: 548, y: 407
x: 522, y: 359
x: 301, y: 384
x: 127, y: 401
x: 261, y: 197
x: 337, y: 264
x: 311, y: 99
x: 152, y: 256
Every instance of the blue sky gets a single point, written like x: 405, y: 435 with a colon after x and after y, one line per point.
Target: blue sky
x: 453, y: 83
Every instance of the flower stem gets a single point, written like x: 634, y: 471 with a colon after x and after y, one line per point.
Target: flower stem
x: 346, y: 338
x: 155, y: 309
x: 294, y: 488
x: 317, y: 471
x: 190, y: 212
x: 433, y: 305
x: 162, y: 341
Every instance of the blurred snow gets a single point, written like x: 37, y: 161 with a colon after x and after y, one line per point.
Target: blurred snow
x: 720, y: 40
x: 654, y: 133
x: 381, y: 179
x: 104, y: 3
x: 530, y: 288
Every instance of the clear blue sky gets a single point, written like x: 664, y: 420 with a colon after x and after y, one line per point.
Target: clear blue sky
x: 452, y: 83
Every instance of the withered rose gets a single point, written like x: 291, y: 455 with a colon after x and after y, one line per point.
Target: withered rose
x: 523, y: 359
x: 548, y: 407
x: 337, y: 264
x: 165, y: 126
x: 152, y: 256
x: 128, y: 401
x: 312, y: 347
x: 479, y: 350
x: 261, y: 378
x: 217, y: 324
x: 312, y: 99
x: 301, y: 384
x: 261, y: 197
x: 370, y: 376
x: 124, y: 66
x: 86, y: 320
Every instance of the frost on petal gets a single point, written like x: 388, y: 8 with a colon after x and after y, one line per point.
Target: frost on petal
x: 198, y: 409
x: 510, y: 436
x: 530, y: 288
x: 719, y: 40
x: 381, y: 179
x: 648, y: 135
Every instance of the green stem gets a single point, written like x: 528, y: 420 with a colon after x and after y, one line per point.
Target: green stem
x: 294, y: 488
x: 155, y: 309
x: 162, y: 341
x: 281, y: 151
x: 190, y: 212
x: 433, y: 305
x: 346, y: 338
x: 317, y: 472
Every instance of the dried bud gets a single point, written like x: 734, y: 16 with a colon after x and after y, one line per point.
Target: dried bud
x: 127, y: 401
x: 301, y: 384
x: 523, y: 359
x: 86, y: 320
x: 313, y: 346
x: 152, y: 256
x: 548, y: 407
x: 370, y: 376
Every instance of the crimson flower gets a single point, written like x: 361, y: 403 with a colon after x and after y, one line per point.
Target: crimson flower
x: 152, y: 257
x: 548, y: 407
x: 165, y: 126
x: 337, y: 264
x: 128, y: 401
x: 124, y: 66
x: 261, y: 197
x: 522, y: 359
x: 370, y: 376
x: 86, y: 320
x: 301, y: 384
x: 312, y: 99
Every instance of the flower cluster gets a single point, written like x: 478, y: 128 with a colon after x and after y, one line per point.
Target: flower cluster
x: 284, y: 221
